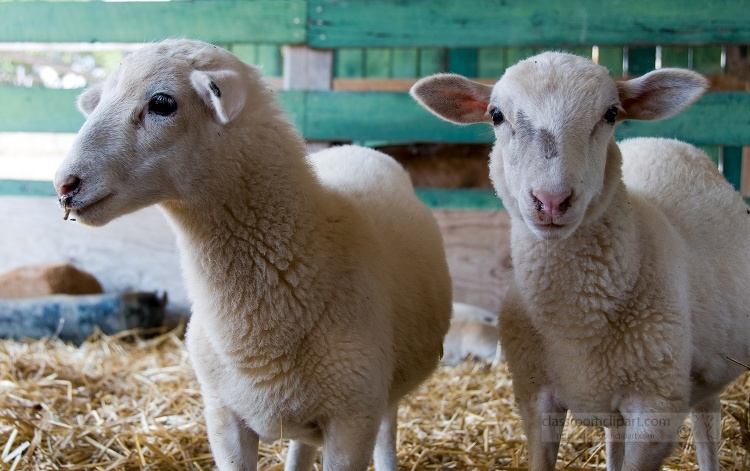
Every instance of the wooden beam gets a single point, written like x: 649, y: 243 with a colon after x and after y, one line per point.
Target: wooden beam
x: 719, y: 118
x: 220, y: 21
x: 543, y: 23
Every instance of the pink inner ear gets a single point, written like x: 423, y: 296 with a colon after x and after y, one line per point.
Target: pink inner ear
x: 470, y: 106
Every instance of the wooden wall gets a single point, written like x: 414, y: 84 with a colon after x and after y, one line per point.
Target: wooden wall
x: 137, y: 251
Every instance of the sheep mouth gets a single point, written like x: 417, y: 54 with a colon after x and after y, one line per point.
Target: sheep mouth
x: 80, y: 209
x: 553, y: 231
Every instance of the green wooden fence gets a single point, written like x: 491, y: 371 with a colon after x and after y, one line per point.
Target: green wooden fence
x: 406, y: 39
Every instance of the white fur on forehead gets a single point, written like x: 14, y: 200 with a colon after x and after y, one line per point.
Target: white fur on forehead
x: 555, y: 74
x: 172, y: 57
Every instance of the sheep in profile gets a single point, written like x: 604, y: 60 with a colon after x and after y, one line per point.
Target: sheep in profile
x: 319, y: 286
x: 632, y: 262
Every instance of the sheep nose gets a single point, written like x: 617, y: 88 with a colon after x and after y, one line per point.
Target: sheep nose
x: 552, y: 204
x: 69, y: 185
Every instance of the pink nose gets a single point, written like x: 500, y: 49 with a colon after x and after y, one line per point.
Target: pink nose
x: 68, y: 185
x: 552, y: 204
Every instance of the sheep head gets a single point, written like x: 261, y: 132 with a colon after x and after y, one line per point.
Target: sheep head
x: 152, y: 129
x: 555, y: 163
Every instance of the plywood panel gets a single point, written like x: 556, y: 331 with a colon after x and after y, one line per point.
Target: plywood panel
x: 134, y: 253
x: 138, y: 251
x: 477, y: 246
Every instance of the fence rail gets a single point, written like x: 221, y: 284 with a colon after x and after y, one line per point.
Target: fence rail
x: 396, y: 41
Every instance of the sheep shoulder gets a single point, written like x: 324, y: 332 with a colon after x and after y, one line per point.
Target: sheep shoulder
x: 406, y: 254
x: 681, y: 183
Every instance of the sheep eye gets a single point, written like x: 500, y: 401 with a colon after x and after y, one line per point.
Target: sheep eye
x: 611, y: 115
x: 497, y: 116
x: 162, y: 105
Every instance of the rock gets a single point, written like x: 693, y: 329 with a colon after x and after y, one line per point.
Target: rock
x: 45, y: 280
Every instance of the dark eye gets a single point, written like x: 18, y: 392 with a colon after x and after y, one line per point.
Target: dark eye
x: 611, y: 115
x: 162, y: 104
x: 497, y: 116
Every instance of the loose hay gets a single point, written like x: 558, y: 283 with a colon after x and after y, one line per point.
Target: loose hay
x: 135, y: 405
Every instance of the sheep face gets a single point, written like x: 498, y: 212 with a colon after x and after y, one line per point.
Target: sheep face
x: 149, y: 128
x: 555, y: 163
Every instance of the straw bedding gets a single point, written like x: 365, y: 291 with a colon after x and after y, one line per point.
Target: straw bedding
x: 134, y: 404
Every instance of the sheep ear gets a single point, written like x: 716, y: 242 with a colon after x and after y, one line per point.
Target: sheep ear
x: 221, y: 90
x: 660, y: 94
x: 88, y: 100
x: 454, y: 98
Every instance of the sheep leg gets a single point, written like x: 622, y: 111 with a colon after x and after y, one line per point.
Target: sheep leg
x: 615, y: 447
x: 544, y: 421
x: 706, y: 420
x: 385, y: 446
x: 300, y: 456
x: 348, y: 443
x: 234, y: 445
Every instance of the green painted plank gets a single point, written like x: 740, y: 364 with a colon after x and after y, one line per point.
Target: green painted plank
x: 719, y: 118
x: 733, y: 166
x: 39, y: 110
x: 460, y: 198
x: 294, y: 103
x: 517, y: 54
x: 707, y: 60
x: 583, y: 51
x: 712, y: 152
x: 27, y: 188
x: 611, y: 58
x: 349, y: 63
x: 381, y: 116
x: 269, y: 59
x: 247, y: 53
x: 548, y: 23
x: 641, y: 60
x: 463, y: 62
x: 432, y: 61
x: 405, y: 63
x: 378, y: 63
x: 491, y: 62
x: 220, y: 21
x: 675, y: 56
x: 54, y: 110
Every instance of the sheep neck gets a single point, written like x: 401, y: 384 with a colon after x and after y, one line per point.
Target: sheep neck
x: 593, y: 271
x: 242, y: 255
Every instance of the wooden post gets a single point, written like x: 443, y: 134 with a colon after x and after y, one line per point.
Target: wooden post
x: 308, y: 69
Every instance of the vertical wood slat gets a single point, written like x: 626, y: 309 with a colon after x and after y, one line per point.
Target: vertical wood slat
x: 707, y: 60
x: 641, y: 60
x: 491, y: 62
x: 463, y: 62
x: 378, y: 62
x: 733, y: 166
x: 349, y: 63
x: 675, y: 56
x: 611, y: 58
x: 431, y: 61
x: 266, y: 56
x: 404, y: 63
